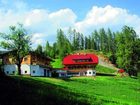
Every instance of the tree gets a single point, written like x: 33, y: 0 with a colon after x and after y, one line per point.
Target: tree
x: 39, y: 49
x: 54, y: 52
x: 126, y: 51
x: 82, y: 42
x: 18, y: 41
x: 120, y: 50
x: 103, y: 40
x: 136, y: 55
x: 89, y: 42
x: 60, y: 42
x: 86, y: 42
x: 110, y: 39
x: 96, y: 37
x: 47, y: 49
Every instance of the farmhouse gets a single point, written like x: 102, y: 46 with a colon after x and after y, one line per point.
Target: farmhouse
x: 32, y: 64
x: 80, y: 64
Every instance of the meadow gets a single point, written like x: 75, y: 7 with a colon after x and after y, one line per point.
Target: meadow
x: 102, y: 90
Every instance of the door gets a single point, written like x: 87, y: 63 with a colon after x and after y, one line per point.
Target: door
x: 44, y: 72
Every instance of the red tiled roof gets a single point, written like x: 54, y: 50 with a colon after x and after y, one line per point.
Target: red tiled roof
x: 70, y: 59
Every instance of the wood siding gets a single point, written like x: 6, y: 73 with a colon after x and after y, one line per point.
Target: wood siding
x: 26, y: 60
x: 8, y: 60
x: 31, y: 59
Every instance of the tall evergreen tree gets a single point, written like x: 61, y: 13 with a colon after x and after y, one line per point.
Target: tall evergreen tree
x: 110, y: 39
x: 89, y: 42
x: 47, y: 49
x: 136, y: 55
x: 120, y: 49
x: 103, y: 40
x: 86, y: 42
x: 82, y: 42
x: 39, y: 49
x: 63, y: 44
x: 54, y: 50
x: 93, y: 44
x: 125, y: 48
x: 96, y: 37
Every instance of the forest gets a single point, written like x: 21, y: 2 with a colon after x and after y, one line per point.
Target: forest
x: 121, y: 47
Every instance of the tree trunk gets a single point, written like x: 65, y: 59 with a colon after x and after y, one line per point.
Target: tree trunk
x: 19, y: 60
x: 19, y: 69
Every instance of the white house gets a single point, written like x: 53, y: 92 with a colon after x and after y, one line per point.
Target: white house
x: 33, y: 64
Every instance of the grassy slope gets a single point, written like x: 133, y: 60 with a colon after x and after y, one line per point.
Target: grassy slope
x: 57, y: 63
x: 103, y: 69
x: 77, y: 90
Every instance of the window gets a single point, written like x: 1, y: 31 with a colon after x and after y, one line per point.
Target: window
x: 25, y: 59
x: 33, y: 71
x: 93, y: 72
x: 89, y: 72
x: 25, y: 72
x: 13, y: 72
x: 7, y: 72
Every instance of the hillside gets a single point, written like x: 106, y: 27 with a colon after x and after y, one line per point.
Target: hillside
x: 104, y: 66
x: 103, y: 59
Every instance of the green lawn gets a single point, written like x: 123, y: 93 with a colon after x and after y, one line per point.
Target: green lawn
x: 75, y: 91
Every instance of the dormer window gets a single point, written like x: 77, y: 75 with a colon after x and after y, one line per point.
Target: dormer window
x: 83, y: 60
x: 25, y: 58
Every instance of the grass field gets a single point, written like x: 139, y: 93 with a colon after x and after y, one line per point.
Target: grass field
x: 101, y: 90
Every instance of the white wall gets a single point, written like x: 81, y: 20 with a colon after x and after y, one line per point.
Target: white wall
x: 10, y: 69
x: 61, y: 73
x: 33, y: 70
x: 36, y: 70
x: 73, y: 74
x: 91, y: 73
x: 25, y: 69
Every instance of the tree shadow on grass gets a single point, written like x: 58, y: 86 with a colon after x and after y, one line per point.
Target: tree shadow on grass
x: 105, y: 74
x: 19, y: 91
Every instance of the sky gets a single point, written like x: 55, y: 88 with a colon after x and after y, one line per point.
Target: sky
x: 42, y: 18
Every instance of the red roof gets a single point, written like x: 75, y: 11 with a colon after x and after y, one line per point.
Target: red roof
x: 77, y: 59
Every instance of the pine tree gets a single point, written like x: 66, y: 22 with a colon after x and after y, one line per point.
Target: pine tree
x: 47, y: 49
x: 96, y: 37
x: 39, y: 49
x: 86, y: 42
x: 82, y: 42
x: 125, y: 48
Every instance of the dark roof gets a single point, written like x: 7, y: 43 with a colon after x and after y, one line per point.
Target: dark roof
x: 41, y: 55
x: 71, y: 59
x: 2, y: 53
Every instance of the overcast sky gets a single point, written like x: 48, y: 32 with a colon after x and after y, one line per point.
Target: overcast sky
x: 43, y: 17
